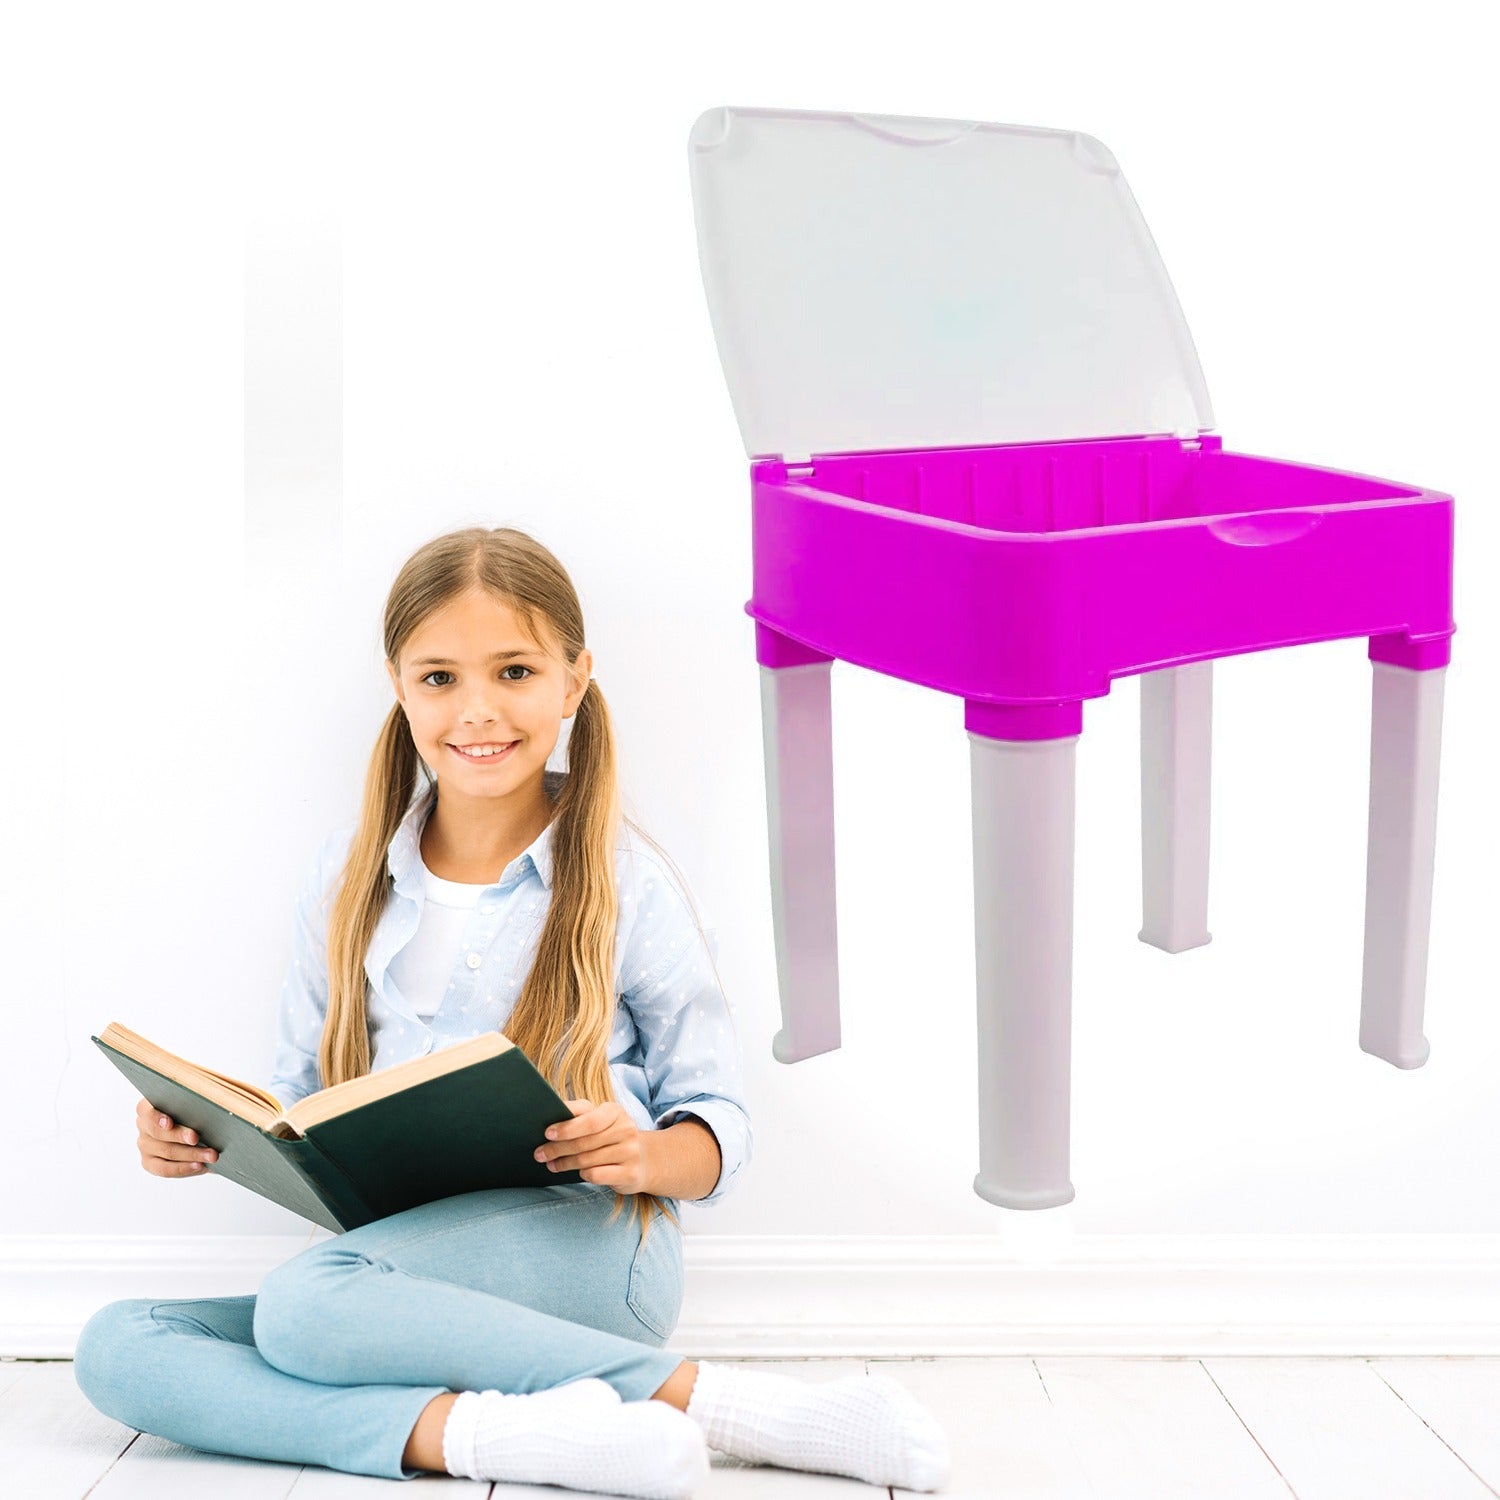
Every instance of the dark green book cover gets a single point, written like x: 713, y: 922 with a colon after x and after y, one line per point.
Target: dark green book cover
x: 475, y: 1127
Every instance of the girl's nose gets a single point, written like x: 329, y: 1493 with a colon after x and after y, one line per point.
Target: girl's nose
x: 479, y: 710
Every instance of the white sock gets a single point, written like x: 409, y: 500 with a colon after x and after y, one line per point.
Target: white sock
x: 588, y: 1394
x: 863, y: 1426
x: 578, y: 1438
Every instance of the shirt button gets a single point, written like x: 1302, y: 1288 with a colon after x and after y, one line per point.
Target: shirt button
x: 473, y: 960
x: 427, y: 1042
x: 488, y: 907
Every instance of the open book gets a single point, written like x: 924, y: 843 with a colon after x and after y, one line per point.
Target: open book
x: 463, y: 1118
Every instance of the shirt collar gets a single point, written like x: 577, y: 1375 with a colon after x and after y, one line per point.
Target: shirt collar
x: 404, y: 857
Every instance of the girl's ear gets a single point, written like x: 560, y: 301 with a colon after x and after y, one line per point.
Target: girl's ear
x: 581, y: 670
x: 396, y: 683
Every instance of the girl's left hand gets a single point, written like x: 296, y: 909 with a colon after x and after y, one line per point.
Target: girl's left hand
x: 602, y: 1143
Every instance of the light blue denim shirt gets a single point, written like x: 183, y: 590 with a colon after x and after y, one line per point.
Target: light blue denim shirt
x: 673, y: 1050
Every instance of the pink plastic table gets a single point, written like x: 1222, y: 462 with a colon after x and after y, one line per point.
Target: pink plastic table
x: 982, y: 461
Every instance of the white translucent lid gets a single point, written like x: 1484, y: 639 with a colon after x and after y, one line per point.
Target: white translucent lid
x: 880, y: 282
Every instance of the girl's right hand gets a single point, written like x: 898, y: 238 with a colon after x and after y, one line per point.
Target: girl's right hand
x: 168, y: 1150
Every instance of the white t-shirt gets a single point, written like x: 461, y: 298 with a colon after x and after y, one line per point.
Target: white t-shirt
x: 422, y: 968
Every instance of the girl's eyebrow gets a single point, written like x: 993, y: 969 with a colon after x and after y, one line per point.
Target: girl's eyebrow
x: 444, y: 661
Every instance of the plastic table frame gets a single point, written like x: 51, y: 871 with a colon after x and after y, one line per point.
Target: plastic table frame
x: 982, y: 461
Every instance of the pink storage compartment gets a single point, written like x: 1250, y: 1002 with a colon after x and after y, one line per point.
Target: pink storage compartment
x: 1037, y: 573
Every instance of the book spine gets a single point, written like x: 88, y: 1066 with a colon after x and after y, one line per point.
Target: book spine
x: 332, y: 1185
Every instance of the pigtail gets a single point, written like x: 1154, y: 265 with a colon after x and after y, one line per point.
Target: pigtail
x: 566, y: 1009
x: 344, y: 1051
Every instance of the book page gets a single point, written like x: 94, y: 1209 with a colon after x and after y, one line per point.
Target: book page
x: 338, y: 1098
x: 234, y: 1094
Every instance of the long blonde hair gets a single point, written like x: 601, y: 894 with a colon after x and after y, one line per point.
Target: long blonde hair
x: 564, y: 1015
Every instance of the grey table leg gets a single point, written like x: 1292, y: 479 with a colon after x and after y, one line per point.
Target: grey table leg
x: 1023, y: 807
x: 796, y: 721
x: 1406, y: 726
x: 1176, y: 752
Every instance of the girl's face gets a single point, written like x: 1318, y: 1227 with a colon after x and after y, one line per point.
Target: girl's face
x: 484, y: 703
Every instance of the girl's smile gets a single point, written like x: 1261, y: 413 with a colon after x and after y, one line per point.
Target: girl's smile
x: 486, y: 751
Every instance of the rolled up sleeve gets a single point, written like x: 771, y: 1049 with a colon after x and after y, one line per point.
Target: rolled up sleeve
x: 689, y: 1046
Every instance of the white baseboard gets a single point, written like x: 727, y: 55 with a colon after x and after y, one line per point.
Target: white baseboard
x: 903, y: 1296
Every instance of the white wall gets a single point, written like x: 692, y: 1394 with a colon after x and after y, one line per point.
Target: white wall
x: 486, y: 208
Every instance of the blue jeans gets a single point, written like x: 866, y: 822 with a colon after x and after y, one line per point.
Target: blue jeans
x: 333, y: 1360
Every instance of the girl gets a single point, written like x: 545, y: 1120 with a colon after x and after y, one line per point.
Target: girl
x: 514, y: 1334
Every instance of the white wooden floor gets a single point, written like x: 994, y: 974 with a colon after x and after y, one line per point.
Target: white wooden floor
x: 1043, y: 1429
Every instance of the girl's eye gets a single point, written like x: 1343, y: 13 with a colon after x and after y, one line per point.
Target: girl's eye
x: 438, y: 673
x: 516, y: 666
